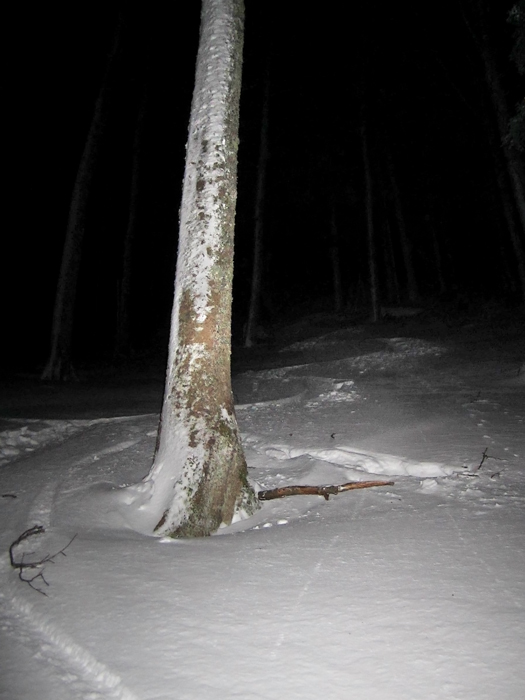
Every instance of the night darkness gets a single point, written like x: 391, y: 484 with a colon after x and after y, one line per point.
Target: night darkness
x: 414, y: 75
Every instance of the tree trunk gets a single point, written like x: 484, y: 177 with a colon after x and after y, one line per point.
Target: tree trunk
x: 438, y: 260
x: 506, y: 199
x: 122, y: 334
x: 256, y: 287
x: 478, y: 25
x: 198, y: 480
x: 512, y: 157
x: 406, y: 248
x: 372, y: 262
x: 391, y: 273
x: 59, y: 367
x: 336, y: 264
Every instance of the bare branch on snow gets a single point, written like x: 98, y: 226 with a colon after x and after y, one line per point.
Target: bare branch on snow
x: 36, y: 567
x: 325, y: 491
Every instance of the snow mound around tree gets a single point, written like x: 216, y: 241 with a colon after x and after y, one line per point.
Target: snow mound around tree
x: 358, y: 463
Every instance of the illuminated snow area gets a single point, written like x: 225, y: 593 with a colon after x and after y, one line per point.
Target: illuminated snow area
x: 414, y: 591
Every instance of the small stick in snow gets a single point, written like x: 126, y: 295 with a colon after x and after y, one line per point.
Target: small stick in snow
x: 35, y: 565
x: 325, y: 491
x: 483, y: 458
x: 486, y: 456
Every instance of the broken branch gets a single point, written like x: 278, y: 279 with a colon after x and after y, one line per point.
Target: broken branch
x: 325, y: 491
x: 36, y: 566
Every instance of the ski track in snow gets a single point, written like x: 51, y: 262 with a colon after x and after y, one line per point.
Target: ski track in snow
x: 86, y: 677
x: 32, y: 434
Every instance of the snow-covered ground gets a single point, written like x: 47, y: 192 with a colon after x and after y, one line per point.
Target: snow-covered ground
x: 414, y: 591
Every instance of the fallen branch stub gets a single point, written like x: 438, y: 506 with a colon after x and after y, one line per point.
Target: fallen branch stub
x: 325, y: 491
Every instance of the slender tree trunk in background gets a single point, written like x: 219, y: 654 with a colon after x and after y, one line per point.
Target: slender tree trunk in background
x: 257, y: 269
x: 59, y: 367
x: 512, y: 155
x: 198, y: 480
x: 512, y: 158
x: 123, y: 330
x: 494, y: 140
x: 478, y: 26
x: 391, y: 273
x: 372, y: 262
x: 507, y: 202
x: 336, y: 264
x: 406, y: 248
x: 438, y: 260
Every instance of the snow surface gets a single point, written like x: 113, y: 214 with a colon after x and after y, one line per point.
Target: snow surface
x: 407, y: 592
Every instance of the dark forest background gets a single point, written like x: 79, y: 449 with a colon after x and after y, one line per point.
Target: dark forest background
x: 411, y: 80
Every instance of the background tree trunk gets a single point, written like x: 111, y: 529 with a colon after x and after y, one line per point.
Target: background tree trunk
x: 372, y: 262
x: 406, y: 248
x: 123, y: 330
x: 478, y: 24
x: 257, y: 269
x: 391, y: 271
x: 335, y: 259
x: 199, y: 477
x: 59, y: 367
x: 438, y: 261
x: 511, y: 153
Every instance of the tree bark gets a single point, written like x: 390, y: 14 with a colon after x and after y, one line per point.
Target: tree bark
x: 198, y: 480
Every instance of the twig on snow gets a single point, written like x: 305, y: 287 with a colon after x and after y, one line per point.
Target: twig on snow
x: 325, y: 491
x: 35, y: 566
x: 486, y: 456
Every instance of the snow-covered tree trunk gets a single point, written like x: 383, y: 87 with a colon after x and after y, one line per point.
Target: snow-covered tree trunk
x: 199, y: 477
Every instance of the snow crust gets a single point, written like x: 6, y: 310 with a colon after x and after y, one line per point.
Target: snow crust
x: 406, y: 592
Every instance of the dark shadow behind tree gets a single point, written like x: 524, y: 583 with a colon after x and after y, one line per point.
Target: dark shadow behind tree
x: 59, y: 365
